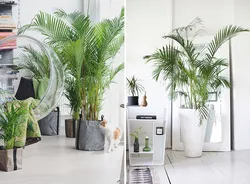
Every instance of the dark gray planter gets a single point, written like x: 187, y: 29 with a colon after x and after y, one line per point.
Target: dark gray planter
x: 133, y: 100
x: 49, y: 125
x: 90, y: 136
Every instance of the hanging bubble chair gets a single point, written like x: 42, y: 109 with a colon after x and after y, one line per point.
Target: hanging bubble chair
x: 12, y: 47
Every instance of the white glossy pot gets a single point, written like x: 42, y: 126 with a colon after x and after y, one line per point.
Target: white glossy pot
x: 193, y: 134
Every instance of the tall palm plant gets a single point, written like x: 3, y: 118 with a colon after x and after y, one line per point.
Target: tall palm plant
x: 86, y: 50
x: 192, y: 71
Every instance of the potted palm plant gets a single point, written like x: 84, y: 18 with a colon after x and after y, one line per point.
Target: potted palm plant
x: 87, y: 51
x: 135, y: 88
x: 191, y: 73
x: 11, y: 121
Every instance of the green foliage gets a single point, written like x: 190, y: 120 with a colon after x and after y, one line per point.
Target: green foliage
x: 134, y: 86
x: 192, y: 71
x: 72, y: 93
x: 11, y: 120
x: 137, y: 133
x: 87, y: 51
x: 35, y: 62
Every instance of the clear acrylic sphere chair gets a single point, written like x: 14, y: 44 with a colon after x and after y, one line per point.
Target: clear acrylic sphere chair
x: 54, y: 91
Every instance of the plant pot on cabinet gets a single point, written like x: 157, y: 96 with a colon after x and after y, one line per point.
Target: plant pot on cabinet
x: 11, y: 160
x: 193, y: 134
x: 70, y: 128
x: 89, y: 137
x: 133, y: 100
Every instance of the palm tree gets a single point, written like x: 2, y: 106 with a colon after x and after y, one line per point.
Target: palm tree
x: 87, y: 52
x: 192, y: 71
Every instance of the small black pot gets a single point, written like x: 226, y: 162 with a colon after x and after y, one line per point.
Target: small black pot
x: 136, y: 145
x: 133, y: 100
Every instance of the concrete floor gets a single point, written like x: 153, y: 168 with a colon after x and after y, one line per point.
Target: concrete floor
x: 55, y: 161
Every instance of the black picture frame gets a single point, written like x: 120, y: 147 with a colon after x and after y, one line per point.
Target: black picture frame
x: 160, y: 129
x: 212, y: 97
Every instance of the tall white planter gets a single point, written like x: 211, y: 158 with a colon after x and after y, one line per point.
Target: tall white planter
x: 192, y: 133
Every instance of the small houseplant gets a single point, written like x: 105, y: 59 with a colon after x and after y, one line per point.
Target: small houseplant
x: 135, y: 88
x: 10, y: 124
x: 136, y: 135
x: 191, y: 73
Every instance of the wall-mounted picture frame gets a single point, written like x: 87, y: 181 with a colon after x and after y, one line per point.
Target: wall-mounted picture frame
x: 212, y: 97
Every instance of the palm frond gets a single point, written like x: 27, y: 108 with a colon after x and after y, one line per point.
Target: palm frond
x: 221, y: 37
x: 35, y: 62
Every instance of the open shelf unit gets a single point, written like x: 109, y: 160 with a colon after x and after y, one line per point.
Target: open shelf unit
x: 156, y: 142
x: 7, y: 28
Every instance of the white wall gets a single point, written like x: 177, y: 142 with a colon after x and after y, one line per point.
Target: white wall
x: 215, y: 14
x: 241, y: 75
x: 146, y: 22
x: 31, y: 7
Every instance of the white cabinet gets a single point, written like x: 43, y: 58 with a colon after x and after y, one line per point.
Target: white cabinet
x: 156, y: 142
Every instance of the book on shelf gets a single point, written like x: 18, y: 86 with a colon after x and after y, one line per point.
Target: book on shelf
x: 6, y: 21
x: 7, y: 2
x: 10, y: 44
x: 9, y: 47
x: 6, y: 34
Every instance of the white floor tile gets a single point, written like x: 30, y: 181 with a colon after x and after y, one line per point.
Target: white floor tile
x: 216, y: 167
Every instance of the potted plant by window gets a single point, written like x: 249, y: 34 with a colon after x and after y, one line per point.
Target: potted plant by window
x: 87, y: 51
x: 11, y: 121
x: 135, y: 88
x: 191, y: 73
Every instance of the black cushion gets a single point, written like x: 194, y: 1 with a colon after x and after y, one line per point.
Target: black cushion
x: 25, y: 89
